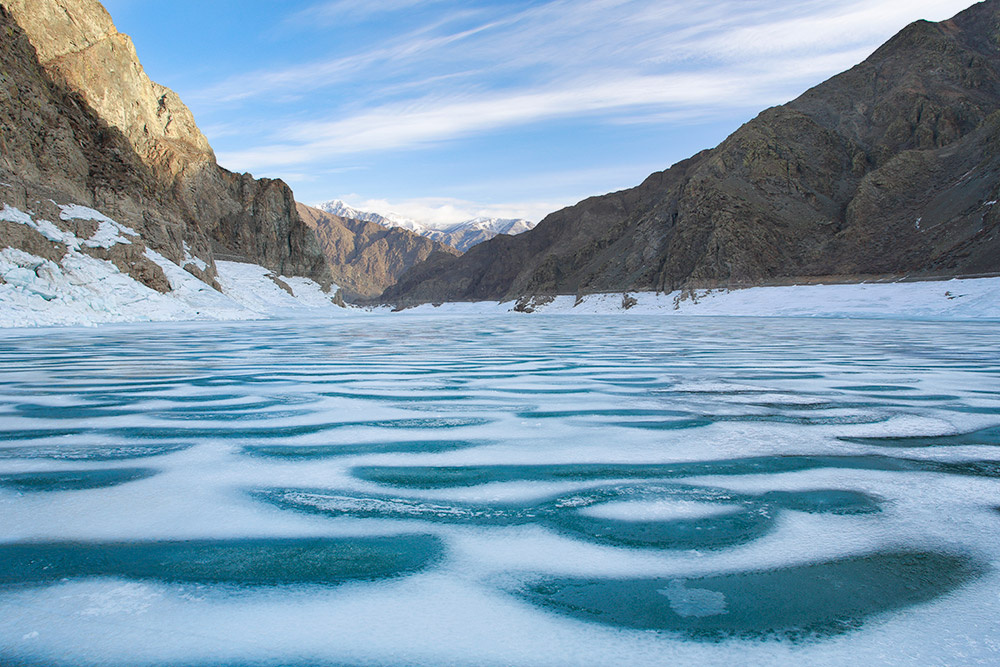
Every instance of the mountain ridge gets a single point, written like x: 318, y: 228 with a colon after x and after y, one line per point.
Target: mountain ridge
x: 460, y: 235
x: 365, y: 258
x: 862, y: 174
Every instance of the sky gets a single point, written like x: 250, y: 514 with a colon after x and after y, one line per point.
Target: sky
x: 444, y: 110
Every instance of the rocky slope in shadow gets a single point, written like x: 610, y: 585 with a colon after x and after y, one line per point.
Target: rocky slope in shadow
x: 889, y: 168
x: 82, y: 123
x: 365, y: 258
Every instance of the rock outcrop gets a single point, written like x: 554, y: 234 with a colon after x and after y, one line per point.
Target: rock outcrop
x: 890, y: 168
x: 364, y: 257
x: 84, y: 124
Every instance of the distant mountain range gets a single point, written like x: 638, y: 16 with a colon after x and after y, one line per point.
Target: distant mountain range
x: 366, y: 257
x: 461, y: 235
x: 890, y: 169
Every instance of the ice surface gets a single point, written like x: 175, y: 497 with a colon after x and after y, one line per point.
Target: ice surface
x: 426, y: 490
x: 72, y: 480
x: 243, y: 562
x: 796, y: 602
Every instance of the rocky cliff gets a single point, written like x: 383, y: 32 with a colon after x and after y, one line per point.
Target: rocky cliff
x: 889, y: 168
x: 364, y: 257
x: 84, y: 124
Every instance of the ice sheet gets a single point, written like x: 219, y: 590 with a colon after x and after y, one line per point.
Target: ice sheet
x: 165, y: 487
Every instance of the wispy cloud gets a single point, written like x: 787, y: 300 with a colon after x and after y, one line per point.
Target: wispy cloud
x: 665, y: 53
x: 380, y: 63
x: 419, y: 122
x: 458, y: 70
x: 338, y: 11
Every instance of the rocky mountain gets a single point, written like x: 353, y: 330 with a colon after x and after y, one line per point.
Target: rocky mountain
x: 364, y: 257
x: 82, y: 124
x: 890, y: 168
x: 461, y: 235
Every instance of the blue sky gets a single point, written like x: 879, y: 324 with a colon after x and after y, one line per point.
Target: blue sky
x: 443, y: 109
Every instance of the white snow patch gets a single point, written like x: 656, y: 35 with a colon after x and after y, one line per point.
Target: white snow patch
x: 11, y: 214
x: 250, y: 285
x: 107, y: 235
x: 657, y: 510
x: 108, y: 232
x: 77, y: 212
x: 697, y: 602
x: 190, y: 259
x: 309, y: 292
x: 253, y: 287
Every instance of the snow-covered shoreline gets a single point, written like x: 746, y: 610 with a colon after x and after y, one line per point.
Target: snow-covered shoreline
x: 958, y: 299
x: 83, y: 290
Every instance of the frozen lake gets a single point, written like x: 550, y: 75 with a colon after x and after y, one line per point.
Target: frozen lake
x: 515, y: 490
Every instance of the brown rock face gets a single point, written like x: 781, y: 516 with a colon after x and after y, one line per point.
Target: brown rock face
x: 30, y: 241
x: 76, y: 40
x: 365, y: 258
x: 53, y: 145
x: 139, y: 155
x: 889, y: 168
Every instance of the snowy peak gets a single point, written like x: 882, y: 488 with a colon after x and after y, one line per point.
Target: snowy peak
x: 460, y: 235
x: 496, y: 225
x: 340, y: 209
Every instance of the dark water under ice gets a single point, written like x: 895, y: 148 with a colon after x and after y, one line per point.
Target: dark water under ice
x: 511, y: 490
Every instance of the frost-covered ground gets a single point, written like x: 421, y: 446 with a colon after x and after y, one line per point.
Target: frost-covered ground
x: 81, y: 289
x: 967, y: 299
x: 446, y: 490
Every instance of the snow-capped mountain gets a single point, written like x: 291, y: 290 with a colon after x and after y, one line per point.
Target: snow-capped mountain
x: 460, y: 235
x: 340, y: 209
